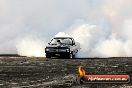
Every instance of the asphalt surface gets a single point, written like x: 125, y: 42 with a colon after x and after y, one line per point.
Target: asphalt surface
x: 40, y: 72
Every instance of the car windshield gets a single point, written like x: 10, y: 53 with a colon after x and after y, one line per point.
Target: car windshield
x: 66, y: 41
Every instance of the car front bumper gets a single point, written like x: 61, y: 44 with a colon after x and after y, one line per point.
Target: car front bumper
x: 57, y: 53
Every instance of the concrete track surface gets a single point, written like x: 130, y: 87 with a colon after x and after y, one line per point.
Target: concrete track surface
x: 40, y: 72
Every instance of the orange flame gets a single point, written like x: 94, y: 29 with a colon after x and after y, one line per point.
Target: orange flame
x: 81, y: 71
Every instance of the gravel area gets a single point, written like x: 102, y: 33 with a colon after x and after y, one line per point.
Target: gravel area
x: 39, y: 72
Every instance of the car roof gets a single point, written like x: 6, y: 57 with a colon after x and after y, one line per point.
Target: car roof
x: 62, y: 37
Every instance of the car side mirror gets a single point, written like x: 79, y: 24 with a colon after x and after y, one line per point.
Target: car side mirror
x: 73, y: 43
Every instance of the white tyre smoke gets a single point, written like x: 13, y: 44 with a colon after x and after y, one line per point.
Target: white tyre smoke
x: 31, y: 47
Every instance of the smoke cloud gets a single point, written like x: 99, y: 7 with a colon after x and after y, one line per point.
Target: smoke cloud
x: 31, y: 47
x: 103, y: 27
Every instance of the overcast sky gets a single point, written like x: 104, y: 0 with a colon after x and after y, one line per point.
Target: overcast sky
x: 42, y: 19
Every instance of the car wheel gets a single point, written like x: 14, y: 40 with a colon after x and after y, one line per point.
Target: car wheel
x: 69, y: 56
x: 48, y: 56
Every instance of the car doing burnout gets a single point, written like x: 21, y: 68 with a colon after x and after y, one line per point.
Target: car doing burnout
x: 62, y: 46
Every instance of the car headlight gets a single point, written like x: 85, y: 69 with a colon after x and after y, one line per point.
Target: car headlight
x: 46, y: 49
